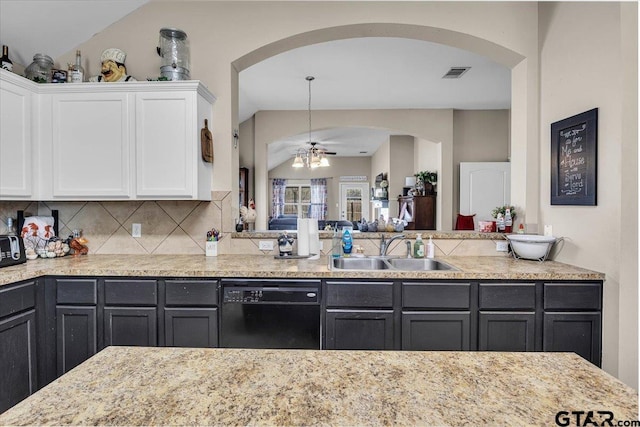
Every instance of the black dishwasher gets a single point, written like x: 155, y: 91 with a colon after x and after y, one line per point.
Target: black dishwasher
x: 262, y: 313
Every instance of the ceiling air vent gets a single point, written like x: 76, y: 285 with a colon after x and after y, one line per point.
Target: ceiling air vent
x: 455, y: 72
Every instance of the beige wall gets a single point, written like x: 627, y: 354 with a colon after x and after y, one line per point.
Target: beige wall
x: 478, y: 136
x: 581, y: 69
x: 400, y: 166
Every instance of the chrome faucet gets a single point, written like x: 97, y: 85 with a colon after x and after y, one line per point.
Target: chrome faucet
x: 384, y: 244
x: 408, y: 249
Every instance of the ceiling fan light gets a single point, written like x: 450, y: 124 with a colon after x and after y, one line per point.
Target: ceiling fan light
x: 297, y: 162
x: 315, y: 161
x: 324, y: 162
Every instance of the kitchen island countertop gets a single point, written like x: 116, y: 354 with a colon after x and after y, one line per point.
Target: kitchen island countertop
x: 265, y: 266
x: 180, y: 386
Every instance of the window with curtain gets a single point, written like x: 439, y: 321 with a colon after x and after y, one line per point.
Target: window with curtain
x: 279, y: 187
x: 297, y: 199
x: 318, y: 207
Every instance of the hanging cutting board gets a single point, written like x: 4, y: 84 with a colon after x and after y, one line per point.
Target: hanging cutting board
x: 206, y: 143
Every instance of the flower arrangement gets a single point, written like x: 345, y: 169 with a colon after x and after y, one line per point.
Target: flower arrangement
x: 503, y: 210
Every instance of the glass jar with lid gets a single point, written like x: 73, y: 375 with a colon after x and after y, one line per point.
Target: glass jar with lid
x: 173, y: 47
x: 40, y: 69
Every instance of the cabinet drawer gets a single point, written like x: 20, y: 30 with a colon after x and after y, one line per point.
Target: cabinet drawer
x: 130, y: 292
x: 436, y: 295
x: 76, y: 291
x: 359, y: 294
x: 572, y: 296
x: 191, y: 292
x: 514, y: 296
x: 15, y: 298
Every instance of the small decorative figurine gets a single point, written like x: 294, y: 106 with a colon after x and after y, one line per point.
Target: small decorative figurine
x: 113, y: 69
x: 285, y: 244
x: 249, y: 214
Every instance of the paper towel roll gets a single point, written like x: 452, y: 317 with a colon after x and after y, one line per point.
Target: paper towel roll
x: 303, y: 237
x: 314, y: 239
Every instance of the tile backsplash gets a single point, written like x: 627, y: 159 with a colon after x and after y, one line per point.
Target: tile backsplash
x: 180, y: 227
x: 168, y: 227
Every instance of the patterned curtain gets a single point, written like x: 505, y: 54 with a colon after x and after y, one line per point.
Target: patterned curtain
x: 277, y: 198
x: 318, y: 208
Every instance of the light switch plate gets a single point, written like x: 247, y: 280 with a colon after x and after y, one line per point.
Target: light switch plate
x: 265, y: 245
x: 502, y: 246
x: 136, y: 230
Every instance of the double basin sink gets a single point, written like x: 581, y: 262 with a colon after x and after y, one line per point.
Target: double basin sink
x: 389, y: 263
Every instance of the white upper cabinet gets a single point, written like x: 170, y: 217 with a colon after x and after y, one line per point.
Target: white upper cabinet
x: 165, y: 166
x: 16, y: 159
x: 91, y: 145
x: 103, y: 141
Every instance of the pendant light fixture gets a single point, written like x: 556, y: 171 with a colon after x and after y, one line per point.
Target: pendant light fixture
x: 313, y: 157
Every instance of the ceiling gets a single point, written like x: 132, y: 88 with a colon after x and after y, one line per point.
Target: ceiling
x: 361, y: 73
x: 55, y: 27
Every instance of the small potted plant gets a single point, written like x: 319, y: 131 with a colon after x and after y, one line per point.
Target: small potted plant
x: 426, y: 180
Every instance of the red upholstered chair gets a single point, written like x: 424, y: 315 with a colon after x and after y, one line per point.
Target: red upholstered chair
x: 465, y: 222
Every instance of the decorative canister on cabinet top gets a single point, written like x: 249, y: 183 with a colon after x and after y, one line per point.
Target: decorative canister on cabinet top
x: 40, y: 69
x: 173, y: 48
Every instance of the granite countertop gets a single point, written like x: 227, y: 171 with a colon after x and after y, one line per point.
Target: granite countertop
x: 469, y: 268
x: 179, y: 386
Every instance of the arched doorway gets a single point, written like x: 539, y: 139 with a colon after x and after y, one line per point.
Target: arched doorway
x: 497, y: 53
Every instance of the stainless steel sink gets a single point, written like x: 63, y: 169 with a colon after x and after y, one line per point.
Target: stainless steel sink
x: 418, y: 264
x: 389, y: 263
x: 360, y: 264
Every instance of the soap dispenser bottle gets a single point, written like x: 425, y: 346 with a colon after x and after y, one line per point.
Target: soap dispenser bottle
x: 336, y: 243
x: 418, y: 247
x: 347, y: 243
x: 431, y: 249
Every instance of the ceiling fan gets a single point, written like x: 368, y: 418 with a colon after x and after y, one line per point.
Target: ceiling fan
x: 315, y: 156
x: 319, y: 148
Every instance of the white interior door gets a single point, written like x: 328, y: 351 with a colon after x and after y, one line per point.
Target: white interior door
x: 354, y: 200
x: 483, y: 187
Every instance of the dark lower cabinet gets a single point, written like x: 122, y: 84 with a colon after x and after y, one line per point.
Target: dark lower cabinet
x: 191, y: 313
x: 572, y: 319
x: 191, y: 327
x: 77, y: 338
x: 359, y: 330
x: 574, y: 332
x: 18, y: 364
x: 76, y: 317
x: 436, y: 331
x: 76, y: 321
x: 506, y: 331
x: 136, y: 326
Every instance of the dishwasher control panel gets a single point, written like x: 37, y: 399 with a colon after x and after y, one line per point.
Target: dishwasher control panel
x: 240, y: 295
x: 271, y: 295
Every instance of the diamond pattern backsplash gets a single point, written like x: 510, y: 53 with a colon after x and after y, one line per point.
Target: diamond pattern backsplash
x: 180, y: 227
x: 168, y: 227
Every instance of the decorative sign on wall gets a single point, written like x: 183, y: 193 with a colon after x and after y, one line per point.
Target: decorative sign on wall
x: 574, y: 159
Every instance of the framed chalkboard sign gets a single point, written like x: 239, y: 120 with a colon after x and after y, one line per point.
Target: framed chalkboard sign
x: 574, y: 160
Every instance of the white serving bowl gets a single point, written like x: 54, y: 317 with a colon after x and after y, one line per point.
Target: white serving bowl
x: 531, y: 246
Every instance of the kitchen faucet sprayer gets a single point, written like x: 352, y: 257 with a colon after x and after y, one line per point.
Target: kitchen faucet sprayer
x: 384, y: 244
